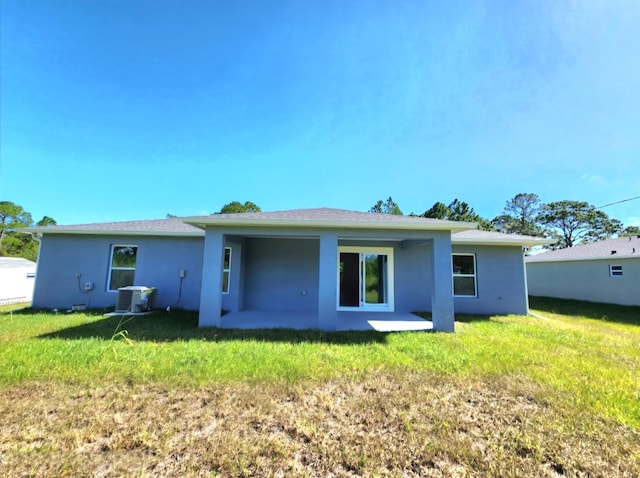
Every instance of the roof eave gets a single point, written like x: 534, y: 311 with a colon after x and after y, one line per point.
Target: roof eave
x: 204, y: 222
x: 502, y: 242
x: 94, y: 232
x: 610, y: 258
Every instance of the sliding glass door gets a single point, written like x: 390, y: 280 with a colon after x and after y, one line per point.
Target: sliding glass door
x: 365, y: 279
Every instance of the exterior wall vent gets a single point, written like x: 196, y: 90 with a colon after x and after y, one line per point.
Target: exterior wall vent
x: 135, y: 299
x: 613, y: 252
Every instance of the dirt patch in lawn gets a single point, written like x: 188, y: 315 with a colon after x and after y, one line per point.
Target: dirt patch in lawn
x: 410, y: 425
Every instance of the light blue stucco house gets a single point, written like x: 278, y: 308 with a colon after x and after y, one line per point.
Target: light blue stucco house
x: 606, y: 271
x: 309, y: 268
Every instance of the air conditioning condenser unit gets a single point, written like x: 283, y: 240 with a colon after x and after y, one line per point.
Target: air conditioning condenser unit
x: 135, y: 299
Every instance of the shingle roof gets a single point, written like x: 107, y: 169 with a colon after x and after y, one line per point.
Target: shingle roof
x: 327, y: 217
x: 169, y: 227
x: 299, y: 217
x: 296, y: 217
x: 628, y: 246
x: 322, y: 214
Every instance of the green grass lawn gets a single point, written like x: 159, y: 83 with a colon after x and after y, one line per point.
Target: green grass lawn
x: 502, y: 396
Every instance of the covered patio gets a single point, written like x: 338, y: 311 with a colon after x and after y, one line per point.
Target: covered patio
x: 381, y: 322
x: 326, y: 269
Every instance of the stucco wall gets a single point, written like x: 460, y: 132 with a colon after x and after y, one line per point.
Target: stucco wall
x: 412, y: 272
x: 413, y: 278
x: 276, y: 271
x: 500, y: 281
x: 586, y: 280
x: 281, y: 274
x: 158, y: 264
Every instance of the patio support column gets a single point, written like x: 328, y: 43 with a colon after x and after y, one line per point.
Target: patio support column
x: 442, y: 285
x: 211, y: 291
x: 328, y: 282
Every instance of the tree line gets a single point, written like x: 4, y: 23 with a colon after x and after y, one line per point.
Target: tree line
x: 12, y: 242
x: 568, y: 222
x: 13, y: 217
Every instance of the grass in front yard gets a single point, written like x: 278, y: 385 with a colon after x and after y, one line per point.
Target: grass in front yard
x: 502, y: 396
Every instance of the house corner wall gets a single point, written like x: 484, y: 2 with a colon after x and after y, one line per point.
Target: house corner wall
x: 500, y: 281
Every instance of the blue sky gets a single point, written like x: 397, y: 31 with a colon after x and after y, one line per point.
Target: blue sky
x: 118, y: 110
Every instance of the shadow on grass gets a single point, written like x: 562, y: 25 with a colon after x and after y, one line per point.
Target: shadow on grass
x: 592, y: 310
x: 468, y: 318
x: 465, y: 318
x: 31, y: 311
x: 183, y: 326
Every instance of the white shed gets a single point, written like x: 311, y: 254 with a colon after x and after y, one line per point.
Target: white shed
x: 17, y: 279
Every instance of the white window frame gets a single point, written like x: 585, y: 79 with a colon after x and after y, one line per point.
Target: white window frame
x: 227, y: 270
x: 363, y: 307
x: 474, y: 275
x: 111, y: 268
x: 617, y: 272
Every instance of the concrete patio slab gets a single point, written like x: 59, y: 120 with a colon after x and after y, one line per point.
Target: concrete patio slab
x: 380, y: 321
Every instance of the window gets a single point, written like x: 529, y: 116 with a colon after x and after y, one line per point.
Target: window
x: 365, y: 278
x: 226, y: 270
x: 122, y: 266
x: 464, y: 275
x: 615, y: 271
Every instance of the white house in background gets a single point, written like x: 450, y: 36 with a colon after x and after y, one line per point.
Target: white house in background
x: 17, y: 279
x: 606, y: 271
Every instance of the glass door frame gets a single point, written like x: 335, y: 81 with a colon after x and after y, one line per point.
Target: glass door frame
x: 363, y: 251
